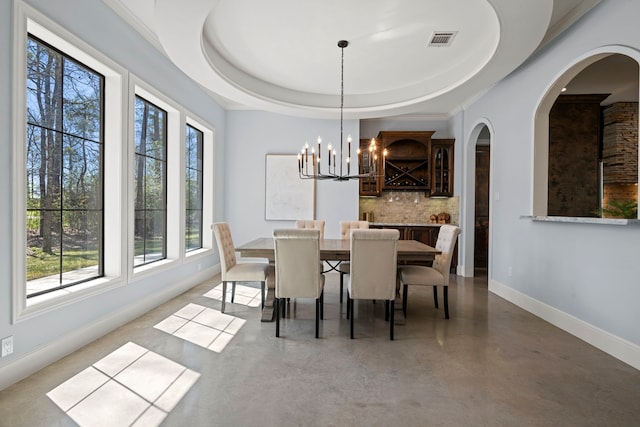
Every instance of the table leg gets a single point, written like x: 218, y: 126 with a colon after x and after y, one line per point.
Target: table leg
x: 269, y: 310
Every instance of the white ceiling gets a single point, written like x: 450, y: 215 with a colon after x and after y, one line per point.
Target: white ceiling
x: 282, y: 55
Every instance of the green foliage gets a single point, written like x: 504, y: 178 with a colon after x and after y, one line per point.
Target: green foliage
x: 627, y: 209
x: 41, y: 264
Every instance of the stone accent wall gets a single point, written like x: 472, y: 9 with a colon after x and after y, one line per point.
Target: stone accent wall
x: 620, y: 143
x: 619, y: 192
x: 574, y: 152
x: 620, y: 152
x: 408, y: 207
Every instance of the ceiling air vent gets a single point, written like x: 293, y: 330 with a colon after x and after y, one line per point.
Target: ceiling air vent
x: 442, y: 38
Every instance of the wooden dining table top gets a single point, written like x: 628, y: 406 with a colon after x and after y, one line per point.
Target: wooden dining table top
x: 339, y: 250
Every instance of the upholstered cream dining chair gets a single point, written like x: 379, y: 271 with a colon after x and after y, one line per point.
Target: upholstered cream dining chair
x: 437, y: 274
x: 373, y: 270
x: 314, y: 224
x: 298, y: 270
x: 345, y: 233
x: 233, y: 271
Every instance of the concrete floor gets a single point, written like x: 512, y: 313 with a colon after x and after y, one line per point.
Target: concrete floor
x: 491, y: 364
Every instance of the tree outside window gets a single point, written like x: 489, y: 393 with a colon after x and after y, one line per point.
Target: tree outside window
x: 193, y: 188
x: 150, y: 183
x: 64, y: 167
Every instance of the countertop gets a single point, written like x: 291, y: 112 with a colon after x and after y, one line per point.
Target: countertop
x: 403, y: 224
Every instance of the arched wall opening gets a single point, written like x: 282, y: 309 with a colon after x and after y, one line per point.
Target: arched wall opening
x: 613, y: 93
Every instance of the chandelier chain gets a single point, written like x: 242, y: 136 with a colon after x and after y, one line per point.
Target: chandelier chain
x: 341, y: 102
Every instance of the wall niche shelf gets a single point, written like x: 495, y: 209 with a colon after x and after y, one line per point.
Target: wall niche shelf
x: 407, y: 166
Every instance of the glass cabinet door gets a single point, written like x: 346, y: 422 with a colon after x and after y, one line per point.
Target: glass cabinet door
x: 442, y: 167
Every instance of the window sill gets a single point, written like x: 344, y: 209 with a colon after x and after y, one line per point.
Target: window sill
x: 55, y: 299
x: 582, y: 220
x: 197, y: 253
x: 142, y: 271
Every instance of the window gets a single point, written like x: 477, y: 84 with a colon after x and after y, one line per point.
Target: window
x: 64, y: 170
x: 194, y: 141
x: 150, y: 183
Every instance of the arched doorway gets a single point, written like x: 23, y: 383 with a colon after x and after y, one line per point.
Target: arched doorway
x: 476, y: 150
x: 481, y: 210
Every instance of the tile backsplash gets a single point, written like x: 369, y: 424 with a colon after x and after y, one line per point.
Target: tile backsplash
x: 408, y: 207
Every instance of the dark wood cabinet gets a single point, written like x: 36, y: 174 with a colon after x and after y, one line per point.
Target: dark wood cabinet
x: 442, y: 167
x: 414, y: 162
x: 406, y: 165
x: 369, y: 186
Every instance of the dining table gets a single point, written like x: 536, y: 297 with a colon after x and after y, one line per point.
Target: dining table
x: 332, y: 252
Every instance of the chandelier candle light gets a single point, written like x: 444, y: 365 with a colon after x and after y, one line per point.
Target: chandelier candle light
x: 309, y: 167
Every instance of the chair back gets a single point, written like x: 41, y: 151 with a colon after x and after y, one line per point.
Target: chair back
x: 298, y: 268
x: 225, y: 247
x: 313, y: 224
x: 347, y: 226
x: 447, y: 238
x: 373, y: 264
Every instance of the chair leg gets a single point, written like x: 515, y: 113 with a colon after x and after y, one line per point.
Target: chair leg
x: 224, y: 296
x: 262, y: 289
x: 317, y: 317
x: 322, y: 305
x: 276, y: 303
x: 386, y: 310
x: 348, y: 306
x: 283, y: 307
x: 391, y: 320
x: 233, y: 291
x: 405, y: 291
x: 435, y: 295
x: 350, y: 302
x: 341, y: 286
x: 446, y: 301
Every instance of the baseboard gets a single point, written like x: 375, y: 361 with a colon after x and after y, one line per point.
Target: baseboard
x: 464, y: 271
x: 617, y: 347
x: 55, y: 350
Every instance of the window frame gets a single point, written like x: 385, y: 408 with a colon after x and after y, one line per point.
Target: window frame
x: 208, y: 184
x: 28, y: 21
x: 164, y: 160
x: 63, y: 207
x: 200, y: 182
x: 174, y: 187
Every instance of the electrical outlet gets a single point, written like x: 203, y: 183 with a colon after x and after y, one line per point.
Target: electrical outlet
x: 7, y: 346
x: 510, y: 271
x: 199, y: 267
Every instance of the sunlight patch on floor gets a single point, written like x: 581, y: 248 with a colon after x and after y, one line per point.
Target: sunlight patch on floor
x: 130, y: 387
x: 245, y: 295
x: 202, y: 326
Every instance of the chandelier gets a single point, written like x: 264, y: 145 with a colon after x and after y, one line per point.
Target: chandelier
x: 310, y: 161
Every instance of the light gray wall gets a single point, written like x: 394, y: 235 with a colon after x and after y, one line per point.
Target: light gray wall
x: 443, y: 127
x: 589, y: 271
x: 251, y: 135
x: 100, y: 27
